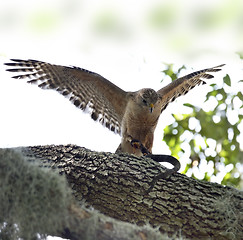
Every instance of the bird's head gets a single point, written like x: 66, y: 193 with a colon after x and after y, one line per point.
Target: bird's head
x: 147, y: 98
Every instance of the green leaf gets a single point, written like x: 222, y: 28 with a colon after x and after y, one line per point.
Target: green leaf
x: 169, y: 72
x: 188, y: 105
x: 227, y: 80
x: 181, y: 68
x: 240, y: 96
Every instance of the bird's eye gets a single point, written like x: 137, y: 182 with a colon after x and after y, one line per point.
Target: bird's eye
x: 144, y: 101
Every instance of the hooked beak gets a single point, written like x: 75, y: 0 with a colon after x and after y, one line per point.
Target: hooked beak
x: 151, y: 107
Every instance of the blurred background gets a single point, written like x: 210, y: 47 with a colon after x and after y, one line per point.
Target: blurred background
x: 134, y: 44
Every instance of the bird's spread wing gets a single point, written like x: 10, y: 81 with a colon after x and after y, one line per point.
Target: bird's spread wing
x: 88, y: 91
x: 182, y: 85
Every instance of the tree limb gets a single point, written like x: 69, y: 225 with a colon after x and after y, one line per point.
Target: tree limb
x: 37, y: 200
x: 116, y: 185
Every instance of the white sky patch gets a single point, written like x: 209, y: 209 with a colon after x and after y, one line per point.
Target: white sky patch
x: 132, y: 61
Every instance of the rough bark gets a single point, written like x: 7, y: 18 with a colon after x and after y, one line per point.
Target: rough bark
x: 35, y: 200
x: 117, y: 185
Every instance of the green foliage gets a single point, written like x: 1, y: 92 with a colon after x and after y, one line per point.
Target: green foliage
x: 211, y: 136
x: 169, y: 71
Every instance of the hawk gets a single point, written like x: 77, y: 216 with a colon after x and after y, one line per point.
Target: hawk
x: 134, y: 115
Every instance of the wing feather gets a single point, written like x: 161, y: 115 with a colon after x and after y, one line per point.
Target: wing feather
x: 87, y: 90
x: 182, y: 85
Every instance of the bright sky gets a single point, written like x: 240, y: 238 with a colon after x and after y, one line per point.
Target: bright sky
x: 126, y: 42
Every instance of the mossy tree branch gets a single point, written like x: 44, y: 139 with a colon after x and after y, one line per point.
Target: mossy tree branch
x: 117, y: 185
x: 35, y: 200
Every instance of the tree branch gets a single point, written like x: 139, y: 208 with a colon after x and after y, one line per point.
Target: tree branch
x: 117, y: 185
x: 37, y: 200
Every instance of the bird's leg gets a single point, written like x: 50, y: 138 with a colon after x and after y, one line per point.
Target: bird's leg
x: 138, y: 145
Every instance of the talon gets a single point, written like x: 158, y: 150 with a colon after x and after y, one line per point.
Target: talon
x: 136, y: 144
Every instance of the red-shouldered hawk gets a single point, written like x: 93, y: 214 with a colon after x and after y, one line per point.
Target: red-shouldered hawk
x: 134, y: 115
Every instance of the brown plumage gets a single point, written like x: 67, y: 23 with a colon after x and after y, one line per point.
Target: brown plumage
x: 134, y: 115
